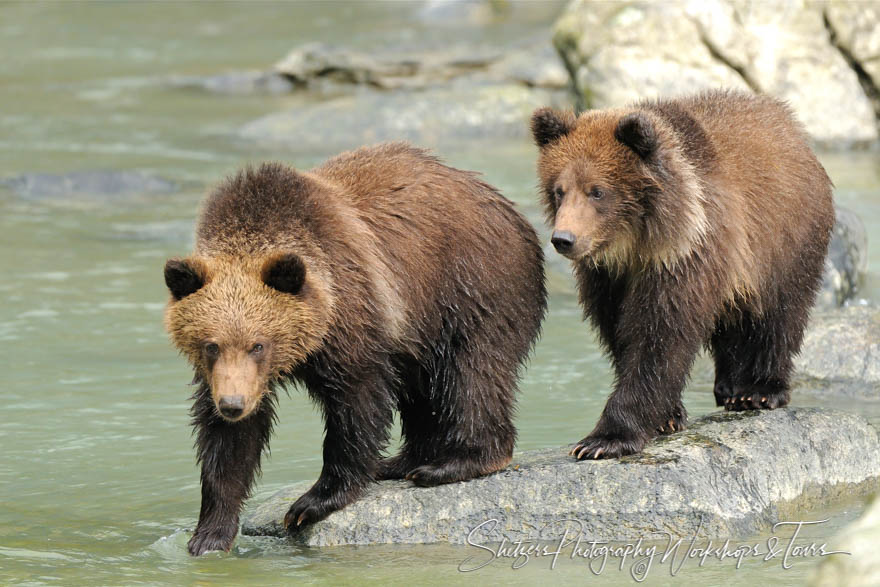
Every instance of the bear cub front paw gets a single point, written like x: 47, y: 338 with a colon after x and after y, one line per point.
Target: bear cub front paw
x: 212, y: 538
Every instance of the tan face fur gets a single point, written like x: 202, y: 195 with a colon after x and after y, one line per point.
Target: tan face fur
x: 591, y: 185
x: 591, y: 211
x: 616, y: 183
x: 239, y: 333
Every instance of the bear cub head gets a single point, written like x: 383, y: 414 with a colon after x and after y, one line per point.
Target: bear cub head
x: 617, y: 186
x: 243, y: 323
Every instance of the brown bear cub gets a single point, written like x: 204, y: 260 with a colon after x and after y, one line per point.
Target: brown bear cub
x: 701, y: 220
x: 379, y: 280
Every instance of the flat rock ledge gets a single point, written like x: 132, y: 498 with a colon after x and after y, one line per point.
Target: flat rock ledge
x: 731, y: 475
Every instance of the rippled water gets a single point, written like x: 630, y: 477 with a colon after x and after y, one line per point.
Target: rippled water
x: 97, y: 476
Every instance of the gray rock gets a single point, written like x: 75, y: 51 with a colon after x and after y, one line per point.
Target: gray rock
x: 841, y: 351
x: 855, y: 29
x: 721, y: 474
x: 846, y: 262
x: 428, y: 117
x: 861, y: 568
x: 94, y: 183
x: 620, y: 52
x: 783, y: 48
x: 237, y: 83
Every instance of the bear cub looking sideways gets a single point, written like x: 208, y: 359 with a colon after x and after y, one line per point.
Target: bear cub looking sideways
x: 380, y: 280
x: 701, y: 220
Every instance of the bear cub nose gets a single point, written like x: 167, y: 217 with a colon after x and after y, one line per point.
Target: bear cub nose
x: 562, y: 240
x: 231, y: 406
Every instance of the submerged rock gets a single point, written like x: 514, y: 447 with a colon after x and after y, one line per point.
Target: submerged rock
x: 846, y: 262
x: 425, y: 117
x: 859, y: 568
x: 397, y: 69
x: 841, y: 351
x: 536, y: 65
x: 729, y: 475
x: 236, y: 83
x: 95, y: 183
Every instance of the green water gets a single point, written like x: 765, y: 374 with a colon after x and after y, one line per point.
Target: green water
x: 97, y: 477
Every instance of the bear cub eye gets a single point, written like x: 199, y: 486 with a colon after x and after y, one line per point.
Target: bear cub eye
x: 212, y: 349
x: 558, y: 193
x: 596, y: 194
x: 257, y: 349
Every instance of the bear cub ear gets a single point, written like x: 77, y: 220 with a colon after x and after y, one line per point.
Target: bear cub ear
x: 549, y: 125
x: 182, y: 278
x: 638, y: 133
x: 285, y: 272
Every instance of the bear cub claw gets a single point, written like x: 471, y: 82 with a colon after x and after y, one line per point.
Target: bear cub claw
x: 750, y: 397
x: 309, y: 509
x: 603, y: 447
x: 675, y: 423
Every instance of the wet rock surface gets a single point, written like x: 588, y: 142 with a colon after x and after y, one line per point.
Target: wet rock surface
x: 729, y: 474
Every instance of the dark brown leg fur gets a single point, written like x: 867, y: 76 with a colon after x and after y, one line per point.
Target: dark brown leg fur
x: 752, y: 365
x: 659, y: 330
x: 753, y: 354
x: 417, y: 423
x: 461, y: 427
x: 357, y: 409
x: 229, y: 453
x: 457, y: 400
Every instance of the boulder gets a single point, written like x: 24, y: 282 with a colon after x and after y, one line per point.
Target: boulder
x: 784, y: 49
x: 729, y: 475
x: 841, y: 351
x: 855, y: 31
x: 859, y: 568
x: 621, y: 52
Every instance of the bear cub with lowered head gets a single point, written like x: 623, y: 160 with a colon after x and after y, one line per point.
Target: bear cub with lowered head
x: 701, y: 220
x: 381, y: 280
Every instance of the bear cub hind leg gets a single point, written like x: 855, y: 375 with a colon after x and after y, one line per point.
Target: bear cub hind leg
x: 470, y: 438
x: 753, y: 362
x: 456, y: 413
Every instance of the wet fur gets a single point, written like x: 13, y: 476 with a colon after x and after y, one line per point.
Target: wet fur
x: 718, y: 237
x: 424, y: 293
